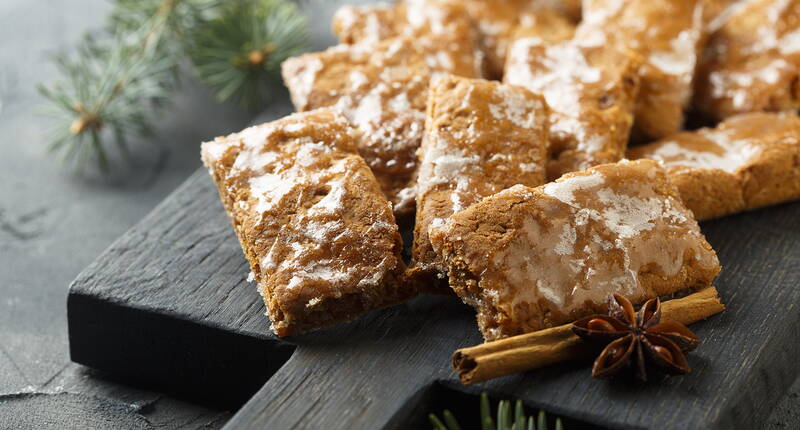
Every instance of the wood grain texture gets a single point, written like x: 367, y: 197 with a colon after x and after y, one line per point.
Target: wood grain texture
x: 182, y: 265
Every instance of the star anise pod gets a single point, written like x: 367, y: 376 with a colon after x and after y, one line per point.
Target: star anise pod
x: 636, y: 339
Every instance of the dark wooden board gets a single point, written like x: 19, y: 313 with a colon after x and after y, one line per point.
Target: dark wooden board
x: 168, y: 304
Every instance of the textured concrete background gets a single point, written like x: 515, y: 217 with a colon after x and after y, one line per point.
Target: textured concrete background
x: 53, y: 224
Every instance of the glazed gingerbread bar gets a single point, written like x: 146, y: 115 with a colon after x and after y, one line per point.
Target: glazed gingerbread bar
x: 382, y: 89
x: 752, y: 61
x: 447, y: 26
x: 548, y: 26
x: 532, y: 258
x: 546, y: 19
x: 441, y: 30
x: 591, y: 91
x: 320, y: 236
x: 717, y: 12
x: 481, y: 137
x: 668, y: 36
x: 748, y: 161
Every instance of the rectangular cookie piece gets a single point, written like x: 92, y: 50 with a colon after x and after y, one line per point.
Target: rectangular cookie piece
x: 746, y: 162
x: 548, y: 19
x: 752, y: 61
x: 382, y: 89
x: 532, y: 258
x: 320, y: 236
x: 591, y: 91
x: 446, y: 28
x: 441, y: 30
x: 481, y: 137
x: 546, y: 25
x: 668, y: 36
x: 717, y: 12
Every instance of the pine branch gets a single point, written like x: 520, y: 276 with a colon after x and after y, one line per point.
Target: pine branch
x: 110, y: 86
x: 115, y: 82
x: 238, y: 53
x: 128, y: 15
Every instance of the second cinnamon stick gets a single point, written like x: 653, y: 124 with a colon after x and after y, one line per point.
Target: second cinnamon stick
x: 544, y: 347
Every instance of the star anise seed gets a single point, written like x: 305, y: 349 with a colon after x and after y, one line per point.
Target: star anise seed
x: 636, y: 339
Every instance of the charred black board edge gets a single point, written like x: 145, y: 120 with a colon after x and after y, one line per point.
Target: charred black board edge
x: 194, y: 361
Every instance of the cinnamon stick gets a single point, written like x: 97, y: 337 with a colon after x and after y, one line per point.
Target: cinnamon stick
x: 544, y: 347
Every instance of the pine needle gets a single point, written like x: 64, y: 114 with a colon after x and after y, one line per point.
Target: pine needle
x: 452, y: 424
x: 504, y: 418
x: 541, y: 423
x: 486, y: 412
x: 238, y: 53
x: 116, y: 80
x: 436, y: 422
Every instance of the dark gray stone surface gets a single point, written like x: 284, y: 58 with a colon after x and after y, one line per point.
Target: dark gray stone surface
x: 52, y: 225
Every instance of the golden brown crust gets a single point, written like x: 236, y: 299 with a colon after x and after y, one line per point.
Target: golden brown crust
x: 549, y: 19
x: 368, y: 23
x: 319, y: 235
x: 442, y: 32
x: 708, y: 193
x: 716, y: 12
x: 591, y: 92
x: 481, y: 137
x: 549, y: 26
x: 382, y: 89
x: 746, y: 162
x: 668, y: 36
x: 531, y: 258
x: 752, y: 61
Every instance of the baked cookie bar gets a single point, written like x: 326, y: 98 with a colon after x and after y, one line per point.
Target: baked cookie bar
x: 441, y: 30
x: 546, y: 25
x: 717, y: 12
x: 481, y: 137
x: 320, y: 236
x: 445, y: 27
x: 546, y: 19
x: 382, y: 89
x: 667, y: 34
x: 532, y: 258
x: 748, y: 161
x: 591, y: 91
x: 752, y: 62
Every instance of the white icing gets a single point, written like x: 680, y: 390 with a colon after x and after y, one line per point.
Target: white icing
x: 599, y: 15
x: 682, y: 58
x: 357, y: 80
x: 736, y: 85
x: 790, y: 43
x: 627, y: 216
x: 728, y: 154
x: 566, y: 72
x: 561, y: 255
x: 321, y: 270
x: 566, y: 245
x: 301, y: 82
x: 564, y: 190
x: 269, y: 189
x: 515, y: 107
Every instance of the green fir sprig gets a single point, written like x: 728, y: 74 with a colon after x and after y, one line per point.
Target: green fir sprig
x: 116, y: 80
x: 505, y: 419
x: 238, y: 52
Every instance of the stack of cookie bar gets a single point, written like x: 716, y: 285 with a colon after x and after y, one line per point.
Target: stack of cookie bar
x: 502, y: 134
